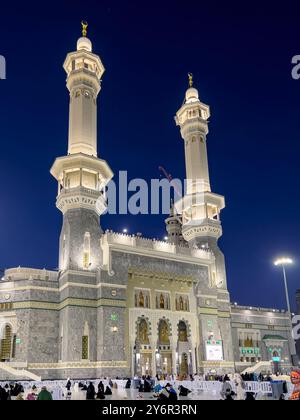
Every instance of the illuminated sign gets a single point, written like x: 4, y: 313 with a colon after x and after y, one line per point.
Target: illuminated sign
x: 214, y: 351
x: 114, y: 317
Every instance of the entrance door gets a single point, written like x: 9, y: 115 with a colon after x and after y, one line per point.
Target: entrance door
x: 184, y: 366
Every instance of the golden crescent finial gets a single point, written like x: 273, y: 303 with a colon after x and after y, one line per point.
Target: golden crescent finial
x: 191, y: 81
x: 84, y: 25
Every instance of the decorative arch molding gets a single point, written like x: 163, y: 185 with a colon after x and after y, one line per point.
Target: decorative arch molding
x: 188, y: 327
x: 2, y: 328
x: 168, y: 322
x: 137, y: 323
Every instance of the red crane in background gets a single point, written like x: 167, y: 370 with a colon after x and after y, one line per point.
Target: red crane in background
x: 170, y: 179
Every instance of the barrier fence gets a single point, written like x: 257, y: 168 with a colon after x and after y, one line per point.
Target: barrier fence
x: 58, y: 388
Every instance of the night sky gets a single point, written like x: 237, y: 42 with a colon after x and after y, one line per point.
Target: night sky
x: 241, y: 60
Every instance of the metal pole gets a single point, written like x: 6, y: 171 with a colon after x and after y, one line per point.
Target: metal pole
x: 286, y: 291
x: 291, y: 340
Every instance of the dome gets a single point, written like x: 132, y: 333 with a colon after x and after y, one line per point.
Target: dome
x: 192, y: 95
x: 84, y: 43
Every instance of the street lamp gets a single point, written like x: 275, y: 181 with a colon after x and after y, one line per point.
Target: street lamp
x: 283, y: 262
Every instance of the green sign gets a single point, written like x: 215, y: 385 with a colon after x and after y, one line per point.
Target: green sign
x: 114, y: 317
x: 18, y: 340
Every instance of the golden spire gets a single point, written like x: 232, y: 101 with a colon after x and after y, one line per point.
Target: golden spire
x: 84, y: 25
x: 191, y: 82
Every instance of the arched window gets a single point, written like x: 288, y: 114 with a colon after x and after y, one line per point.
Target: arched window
x: 163, y: 333
x: 143, y: 333
x: 182, y: 332
x: 181, y: 307
x: 6, y: 344
x: 141, y: 300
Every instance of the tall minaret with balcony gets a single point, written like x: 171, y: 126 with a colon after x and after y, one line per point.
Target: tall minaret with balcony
x: 82, y: 175
x: 200, y: 208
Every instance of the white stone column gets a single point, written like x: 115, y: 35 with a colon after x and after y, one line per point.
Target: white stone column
x: 174, y: 361
x: 174, y: 364
x: 132, y: 360
x: 153, y: 361
x: 193, y: 359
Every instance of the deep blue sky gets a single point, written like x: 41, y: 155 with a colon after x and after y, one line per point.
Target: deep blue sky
x: 241, y: 60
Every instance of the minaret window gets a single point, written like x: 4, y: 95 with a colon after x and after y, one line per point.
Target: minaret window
x: 86, y: 251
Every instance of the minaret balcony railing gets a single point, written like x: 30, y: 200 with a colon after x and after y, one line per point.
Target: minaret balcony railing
x: 83, y: 190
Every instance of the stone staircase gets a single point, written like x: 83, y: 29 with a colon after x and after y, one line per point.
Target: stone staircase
x: 10, y: 373
x: 259, y: 367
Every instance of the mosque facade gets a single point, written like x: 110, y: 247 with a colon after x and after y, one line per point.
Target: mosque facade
x: 123, y: 305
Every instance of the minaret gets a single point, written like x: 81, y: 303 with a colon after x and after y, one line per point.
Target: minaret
x: 82, y: 175
x: 173, y: 227
x: 200, y: 208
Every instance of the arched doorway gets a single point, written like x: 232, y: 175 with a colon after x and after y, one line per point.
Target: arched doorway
x: 164, y: 356
x: 143, y: 364
x: 184, y: 365
x: 6, y: 344
x: 276, y: 361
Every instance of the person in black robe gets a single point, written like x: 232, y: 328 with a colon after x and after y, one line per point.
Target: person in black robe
x: 101, y: 387
x: 90, y: 393
x: 108, y: 391
x: 68, y: 386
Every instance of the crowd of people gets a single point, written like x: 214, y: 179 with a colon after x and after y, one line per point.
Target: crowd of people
x: 232, y: 387
x: 16, y: 391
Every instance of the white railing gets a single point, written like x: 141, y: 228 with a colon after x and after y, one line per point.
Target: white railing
x: 21, y: 273
x: 22, y: 373
x: 112, y: 238
x: 207, y: 387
